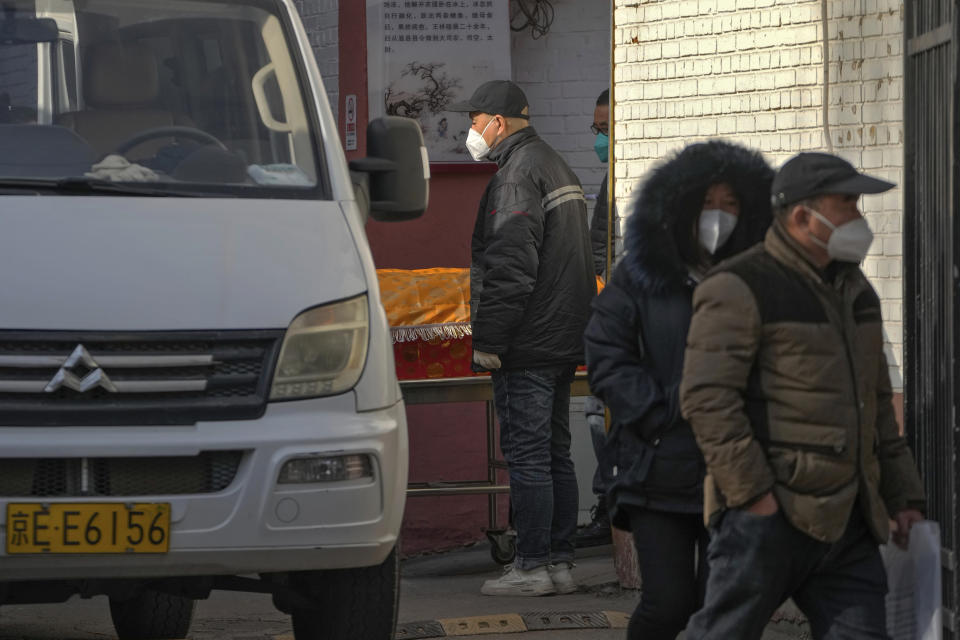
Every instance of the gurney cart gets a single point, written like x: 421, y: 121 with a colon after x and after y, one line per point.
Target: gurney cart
x: 475, y: 389
x: 429, y: 315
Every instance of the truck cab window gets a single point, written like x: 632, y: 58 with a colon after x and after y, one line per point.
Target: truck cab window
x: 194, y: 92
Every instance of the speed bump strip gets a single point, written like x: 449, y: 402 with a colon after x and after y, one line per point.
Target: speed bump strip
x: 617, y: 619
x: 503, y: 623
x: 506, y: 623
x: 419, y: 630
x: 512, y: 623
x: 555, y: 620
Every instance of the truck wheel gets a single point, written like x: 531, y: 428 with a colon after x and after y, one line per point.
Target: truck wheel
x: 360, y: 604
x: 152, y: 615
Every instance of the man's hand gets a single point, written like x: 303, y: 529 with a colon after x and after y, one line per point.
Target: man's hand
x: 904, y: 521
x: 489, y: 361
x: 765, y: 506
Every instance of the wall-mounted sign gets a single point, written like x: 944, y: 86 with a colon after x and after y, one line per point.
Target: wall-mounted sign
x: 350, y: 122
x: 425, y: 54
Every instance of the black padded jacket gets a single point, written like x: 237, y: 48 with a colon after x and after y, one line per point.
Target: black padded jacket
x: 531, y: 274
x: 636, y: 337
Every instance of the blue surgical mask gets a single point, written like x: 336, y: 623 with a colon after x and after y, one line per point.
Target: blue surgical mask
x: 602, y: 147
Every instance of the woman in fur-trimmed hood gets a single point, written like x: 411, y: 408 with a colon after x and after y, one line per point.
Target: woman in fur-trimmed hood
x: 705, y: 203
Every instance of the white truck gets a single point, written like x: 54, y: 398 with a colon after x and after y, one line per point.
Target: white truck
x: 197, y: 388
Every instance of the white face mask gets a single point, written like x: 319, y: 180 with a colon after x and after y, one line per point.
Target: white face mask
x: 476, y: 145
x: 716, y: 225
x: 849, y: 242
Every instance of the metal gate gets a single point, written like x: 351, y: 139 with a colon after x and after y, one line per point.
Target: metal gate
x: 930, y: 270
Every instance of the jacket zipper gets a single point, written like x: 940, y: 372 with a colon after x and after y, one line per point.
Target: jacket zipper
x: 858, y: 405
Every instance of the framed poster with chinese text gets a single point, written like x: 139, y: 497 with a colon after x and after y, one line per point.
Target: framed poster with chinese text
x: 423, y: 55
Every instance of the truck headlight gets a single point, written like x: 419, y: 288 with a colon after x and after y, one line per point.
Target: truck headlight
x: 323, y: 352
x: 326, y: 469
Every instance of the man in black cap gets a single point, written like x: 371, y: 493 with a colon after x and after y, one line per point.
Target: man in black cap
x: 786, y: 387
x: 531, y: 285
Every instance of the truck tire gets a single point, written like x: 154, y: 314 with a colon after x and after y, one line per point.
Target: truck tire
x: 152, y: 615
x: 359, y: 604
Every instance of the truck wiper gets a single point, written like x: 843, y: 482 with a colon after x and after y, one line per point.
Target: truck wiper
x: 84, y: 185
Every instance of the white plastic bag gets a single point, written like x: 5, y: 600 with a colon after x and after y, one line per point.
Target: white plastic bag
x: 913, y: 577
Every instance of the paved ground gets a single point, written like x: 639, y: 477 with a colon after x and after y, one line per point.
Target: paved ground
x: 447, y: 586
x: 442, y: 589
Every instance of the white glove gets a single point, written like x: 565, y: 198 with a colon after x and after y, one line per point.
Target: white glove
x: 489, y: 361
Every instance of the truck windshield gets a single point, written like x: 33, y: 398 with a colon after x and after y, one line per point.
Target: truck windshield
x: 200, y: 95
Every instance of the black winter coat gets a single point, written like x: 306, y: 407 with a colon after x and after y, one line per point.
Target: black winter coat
x: 636, y: 338
x: 531, y: 277
x: 598, y: 230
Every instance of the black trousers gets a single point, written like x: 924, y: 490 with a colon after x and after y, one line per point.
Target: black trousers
x: 757, y: 562
x: 671, y: 550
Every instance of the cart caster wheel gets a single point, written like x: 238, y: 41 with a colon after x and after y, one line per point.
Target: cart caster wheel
x: 503, y: 546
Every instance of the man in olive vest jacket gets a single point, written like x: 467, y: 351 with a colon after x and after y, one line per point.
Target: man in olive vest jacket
x: 786, y: 386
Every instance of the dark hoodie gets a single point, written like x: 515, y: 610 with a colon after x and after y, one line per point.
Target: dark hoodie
x: 636, y: 337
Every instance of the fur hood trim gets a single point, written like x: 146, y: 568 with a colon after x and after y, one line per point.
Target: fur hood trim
x: 673, y: 192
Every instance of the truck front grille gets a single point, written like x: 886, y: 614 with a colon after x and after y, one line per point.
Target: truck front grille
x: 65, y: 379
x: 209, y: 472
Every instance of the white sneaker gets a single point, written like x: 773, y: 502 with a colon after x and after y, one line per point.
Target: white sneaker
x: 562, y: 579
x: 517, y: 582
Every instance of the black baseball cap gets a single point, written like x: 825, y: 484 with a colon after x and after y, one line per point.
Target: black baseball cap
x: 807, y: 175
x: 498, y: 98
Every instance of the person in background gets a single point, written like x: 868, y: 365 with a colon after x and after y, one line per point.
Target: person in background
x: 597, y: 531
x: 787, y: 388
x: 599, y: 222
x: 531, y: 285
x: 707, y: 202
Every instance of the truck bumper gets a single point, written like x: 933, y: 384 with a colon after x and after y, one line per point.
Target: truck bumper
x: 255, y: 524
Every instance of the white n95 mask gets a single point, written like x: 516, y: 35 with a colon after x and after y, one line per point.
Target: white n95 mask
x: 849, y: 242
x: 716, y: 225
x: 476, y: 145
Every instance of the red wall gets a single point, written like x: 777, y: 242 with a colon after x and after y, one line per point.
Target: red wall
x: 353, y: 70
x: 441, y: 237
x: 448, y: 444
x: 447, y: 441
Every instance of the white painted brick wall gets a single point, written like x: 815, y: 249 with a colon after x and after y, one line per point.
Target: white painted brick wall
x: 562, y: 74
x: 321, y: 19
x: 751, y: 71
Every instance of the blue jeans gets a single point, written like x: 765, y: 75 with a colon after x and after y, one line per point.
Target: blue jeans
x: 596, y: 420
x: 757, y: 562
x: 533, y: 406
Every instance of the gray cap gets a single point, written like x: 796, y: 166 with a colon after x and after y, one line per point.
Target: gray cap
x: 807, y: 175
x: 498, y: 98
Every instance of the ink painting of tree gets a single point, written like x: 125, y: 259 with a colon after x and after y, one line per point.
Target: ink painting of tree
x: 423, y: 92
x: 436, y: 92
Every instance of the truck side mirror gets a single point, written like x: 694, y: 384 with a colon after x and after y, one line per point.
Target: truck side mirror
x: 397, y: 167
x: 27, y: 30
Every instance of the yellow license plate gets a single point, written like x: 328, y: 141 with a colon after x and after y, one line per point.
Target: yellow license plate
x: 109, y: 527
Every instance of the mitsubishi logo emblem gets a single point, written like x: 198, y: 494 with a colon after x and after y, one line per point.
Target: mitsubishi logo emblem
x: 93, y: 375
